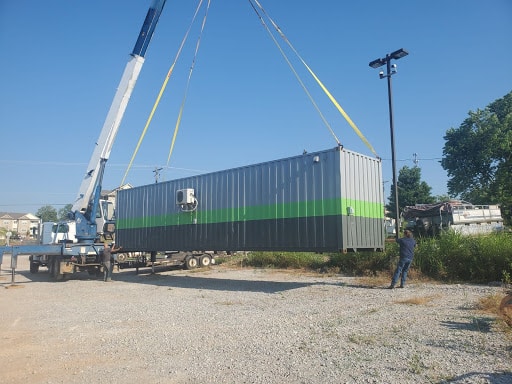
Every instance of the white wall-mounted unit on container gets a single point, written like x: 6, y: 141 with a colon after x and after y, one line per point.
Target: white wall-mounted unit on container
x: 185, y: 196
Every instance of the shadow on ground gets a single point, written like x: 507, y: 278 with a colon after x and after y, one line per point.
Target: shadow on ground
x: 481, y: 377
x: 478, y: 324
x: 195, y: 279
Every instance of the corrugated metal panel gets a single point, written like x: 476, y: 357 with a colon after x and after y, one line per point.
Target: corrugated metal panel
x: 361, y: 189
x: 325, y: 201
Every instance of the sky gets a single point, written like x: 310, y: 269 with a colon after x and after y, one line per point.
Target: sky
x: 62, y: 62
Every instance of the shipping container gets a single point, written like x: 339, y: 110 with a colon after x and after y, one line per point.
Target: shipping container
x: 325, y: 201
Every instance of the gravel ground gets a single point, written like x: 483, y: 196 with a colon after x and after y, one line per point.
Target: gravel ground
x: 224, y: 325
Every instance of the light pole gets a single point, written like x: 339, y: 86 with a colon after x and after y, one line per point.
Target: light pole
x: 390, y: 71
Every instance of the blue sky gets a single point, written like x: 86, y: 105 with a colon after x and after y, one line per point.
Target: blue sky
x: 62, y: 61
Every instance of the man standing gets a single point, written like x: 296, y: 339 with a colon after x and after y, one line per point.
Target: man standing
x: 108, y: 260
x: 407, y: 244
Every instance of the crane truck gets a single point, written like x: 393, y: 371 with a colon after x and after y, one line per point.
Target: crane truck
x: 325, y: 201
x: 90, y: 215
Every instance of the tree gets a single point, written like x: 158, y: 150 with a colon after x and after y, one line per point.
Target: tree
x: 443, y: 197
x: 63, y: 212
x: 478, y: 156
x: 47, y: 213
x: 411, y: 190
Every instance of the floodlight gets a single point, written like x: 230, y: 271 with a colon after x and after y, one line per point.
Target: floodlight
x: 399, y: 54
x: 377, y: 63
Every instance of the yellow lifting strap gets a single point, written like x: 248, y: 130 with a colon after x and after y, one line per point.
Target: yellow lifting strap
x: 162, y: 89
x: 341, y: 110
x: 297, y: 76
x: 326, y: 91
x: 180, y: 114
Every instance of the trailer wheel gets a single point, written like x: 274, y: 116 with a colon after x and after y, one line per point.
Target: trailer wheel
x: 191, y: 262
x: 205, y: 260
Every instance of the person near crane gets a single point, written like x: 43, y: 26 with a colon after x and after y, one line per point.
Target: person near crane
x: 108, y: 260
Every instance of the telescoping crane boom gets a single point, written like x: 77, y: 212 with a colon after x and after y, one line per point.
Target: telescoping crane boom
x: 63, y: 258
x: 86, y: 204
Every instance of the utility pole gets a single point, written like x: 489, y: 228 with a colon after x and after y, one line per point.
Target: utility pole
x: 156, y: 171
x: 415, y: 160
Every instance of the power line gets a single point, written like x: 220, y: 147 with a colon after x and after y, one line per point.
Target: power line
x: 110, y: 165
x: 417, y: 159
x: 33, y: 204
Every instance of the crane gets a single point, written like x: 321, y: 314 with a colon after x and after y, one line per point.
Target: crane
x: 64, y: 258
x: 86, y: 204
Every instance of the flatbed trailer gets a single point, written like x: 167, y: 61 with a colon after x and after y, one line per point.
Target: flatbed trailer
x: 187, y: 260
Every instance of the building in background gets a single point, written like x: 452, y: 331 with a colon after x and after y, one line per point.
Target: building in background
x: 23, y: 224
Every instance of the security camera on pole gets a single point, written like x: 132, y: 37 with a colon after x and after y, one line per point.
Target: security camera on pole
x: 390, y: 71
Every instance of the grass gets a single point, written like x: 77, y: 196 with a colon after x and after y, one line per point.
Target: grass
x: 496, y: 304
x: 416, y: 364
x: 228, y: 302
x: 454, y: 257
x: 378, y: 280
x: 490, y: 304
x: 450, y: 257
x: 418, y: 300
x: 362, y: 339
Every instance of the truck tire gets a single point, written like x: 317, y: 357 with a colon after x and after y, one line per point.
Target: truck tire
x: 191, y: 262
x: 205, y: 260
x: 54, y: 268
x: 50, y: 266
x: 34, y: 267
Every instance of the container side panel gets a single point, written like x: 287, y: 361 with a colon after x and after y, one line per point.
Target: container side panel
x: 320, y: 201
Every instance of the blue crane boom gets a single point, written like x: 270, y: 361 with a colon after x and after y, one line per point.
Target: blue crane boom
x: 65, y: 258
x: 86, y: 204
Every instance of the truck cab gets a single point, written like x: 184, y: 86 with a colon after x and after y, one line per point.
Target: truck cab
x: 65, y: 231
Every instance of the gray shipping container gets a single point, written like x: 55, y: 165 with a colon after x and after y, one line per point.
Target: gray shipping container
x: 330, y: 200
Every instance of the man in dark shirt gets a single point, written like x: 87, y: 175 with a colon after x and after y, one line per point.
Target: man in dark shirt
x: 108, y: 260
x: 407, y: 244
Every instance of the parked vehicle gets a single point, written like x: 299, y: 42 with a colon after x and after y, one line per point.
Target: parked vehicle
x: 389, y: 227
x: 456, y: 215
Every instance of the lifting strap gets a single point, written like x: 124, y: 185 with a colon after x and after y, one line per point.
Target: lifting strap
x: 162, y: 89
x: 296, y: 75
x: 178, y: 120
x: 326, y: 91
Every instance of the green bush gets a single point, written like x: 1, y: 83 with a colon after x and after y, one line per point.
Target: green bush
x: 363, y: 263
x: 428, y: 260
x: 451, y: 257
x: 299, y: 260
x: 454, y: 257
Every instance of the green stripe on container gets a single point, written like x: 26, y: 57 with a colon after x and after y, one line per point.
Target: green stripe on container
x: 301, y: 209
